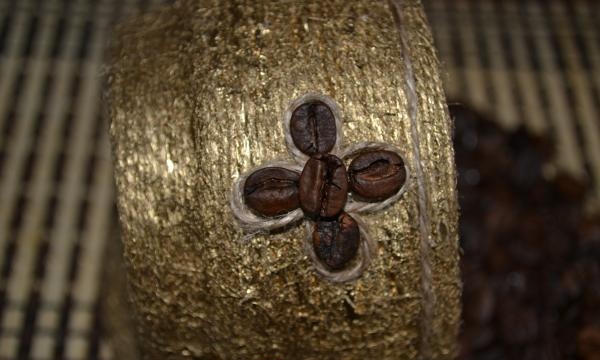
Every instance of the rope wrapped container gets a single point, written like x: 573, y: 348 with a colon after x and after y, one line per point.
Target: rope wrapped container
x: 196, y: 93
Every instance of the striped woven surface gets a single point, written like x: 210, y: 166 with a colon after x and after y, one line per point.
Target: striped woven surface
x: 56, y: 189
x: 531, y: 63
x: 535, y: 63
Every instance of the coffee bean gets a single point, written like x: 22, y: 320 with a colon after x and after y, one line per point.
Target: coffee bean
x: 323, y: 186
x: 588, y: 341
x: 312, y: 127
x: 336, y: 242
x: 518, y: 323
x: 272, y: 191
x: 376, y: 175
x: 523, y: 234
x: 479, y: 303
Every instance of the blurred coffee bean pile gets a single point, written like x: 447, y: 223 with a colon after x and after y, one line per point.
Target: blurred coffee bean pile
x: 531, y: 262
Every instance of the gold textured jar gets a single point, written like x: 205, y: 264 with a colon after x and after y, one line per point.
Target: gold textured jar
x: 197, y: 91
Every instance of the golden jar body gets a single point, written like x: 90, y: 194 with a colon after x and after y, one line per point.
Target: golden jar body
x: 196, y: 96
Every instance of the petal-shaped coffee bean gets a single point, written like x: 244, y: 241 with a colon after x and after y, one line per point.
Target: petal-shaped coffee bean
x: 272, y: 191
x: 323, y: 186
x: 336, y: 242
x: 376, y: 175
x: 313, y: 129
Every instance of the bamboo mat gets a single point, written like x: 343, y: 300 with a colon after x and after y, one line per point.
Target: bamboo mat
x: 56, y: 188
x: 535, y: 63
x: 531, y: 63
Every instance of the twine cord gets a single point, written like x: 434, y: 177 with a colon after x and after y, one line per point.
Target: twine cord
x: 424, y: 221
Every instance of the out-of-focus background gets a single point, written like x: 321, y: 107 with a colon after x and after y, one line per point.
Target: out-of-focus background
x: 56, y: 190
x: 510, y: 62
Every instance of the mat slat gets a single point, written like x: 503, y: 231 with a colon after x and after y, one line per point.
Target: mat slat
x: 56, y: 185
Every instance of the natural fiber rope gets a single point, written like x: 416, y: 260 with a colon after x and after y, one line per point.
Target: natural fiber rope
x: 205, y: 134
x: 424, y: 221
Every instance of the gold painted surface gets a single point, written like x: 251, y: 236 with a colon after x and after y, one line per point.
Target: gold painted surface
x: 197, y: 92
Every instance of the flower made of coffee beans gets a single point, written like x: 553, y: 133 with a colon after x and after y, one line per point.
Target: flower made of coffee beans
x: 318, y: 188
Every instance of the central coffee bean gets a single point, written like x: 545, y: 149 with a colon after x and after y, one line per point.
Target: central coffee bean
x: 336, y: 242
x: 323, y: 186
x: 312, y: 128
x: 376, y: 175
x: 272, y: 191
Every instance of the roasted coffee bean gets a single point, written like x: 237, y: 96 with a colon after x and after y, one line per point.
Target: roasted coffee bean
x: 376, y: 175
x: 272, y: 191
x: 312, y: 127
x: 336, y: 242
x: 523, y: 236
x: 588, y: 342
x: 323, y: 186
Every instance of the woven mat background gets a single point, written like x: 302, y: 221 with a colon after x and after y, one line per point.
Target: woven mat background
x: 56, y: 189
x: 532, y: 63
x: 535, y: 63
